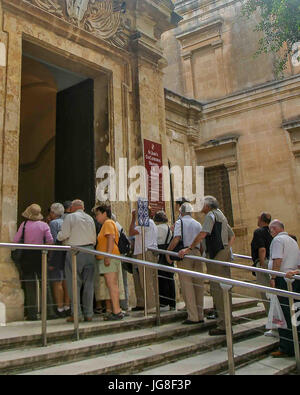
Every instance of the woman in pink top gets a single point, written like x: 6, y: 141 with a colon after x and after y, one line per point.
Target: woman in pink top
x: 36, y: 232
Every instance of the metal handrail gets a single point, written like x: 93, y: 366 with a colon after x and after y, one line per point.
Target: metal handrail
x: 225, y: 283
x: 41, y: 247
x: 242, y: 256
x: 190, y: 273
x: 224, y: 263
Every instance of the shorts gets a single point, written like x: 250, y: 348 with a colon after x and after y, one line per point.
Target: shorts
x: 112, y: 268
x: 56, y: 275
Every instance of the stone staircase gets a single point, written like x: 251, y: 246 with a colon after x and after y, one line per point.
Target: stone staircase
x: 136, y: 346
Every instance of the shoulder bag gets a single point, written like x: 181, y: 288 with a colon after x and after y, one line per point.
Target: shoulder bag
x: 214, y: 242
x: 16, y: 255
x: 179, y: 246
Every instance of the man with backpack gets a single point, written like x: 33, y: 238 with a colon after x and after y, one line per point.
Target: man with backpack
x: 186, y: 229
x: 216, y: 235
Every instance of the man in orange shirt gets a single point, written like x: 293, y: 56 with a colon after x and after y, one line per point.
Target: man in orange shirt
x: 108, y: 239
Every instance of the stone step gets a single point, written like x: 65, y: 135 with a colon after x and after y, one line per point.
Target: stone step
x: 135, y: 359
x: 268, y: 366
x: 24, y: 334
x: 16, y: 359
x: 216, y: 361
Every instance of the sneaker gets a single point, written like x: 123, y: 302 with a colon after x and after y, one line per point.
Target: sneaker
x: 125, y: 313
x: 212, y: 315
x: 114, y: 317
x: 68, y: 313
x: 164, y: 308
x: 271, y: 333
x: 60, y: 314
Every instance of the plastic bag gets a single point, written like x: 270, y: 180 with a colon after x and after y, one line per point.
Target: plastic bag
x: 276, y: 317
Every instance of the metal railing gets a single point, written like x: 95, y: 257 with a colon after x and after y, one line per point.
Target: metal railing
x: 225, y: 283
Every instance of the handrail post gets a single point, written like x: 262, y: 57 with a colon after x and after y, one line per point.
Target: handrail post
x: 228, y: 325
x: 44, y: 297
x: 157, y: 299
x: 144, y: 273
x: 294, y: 323
x: 74, y: 292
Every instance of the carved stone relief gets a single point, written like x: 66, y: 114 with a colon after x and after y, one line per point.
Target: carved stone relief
x: 103, y: 18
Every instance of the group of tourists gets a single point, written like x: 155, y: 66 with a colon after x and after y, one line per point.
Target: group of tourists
x: 274, y: 249
x: 103, y: 285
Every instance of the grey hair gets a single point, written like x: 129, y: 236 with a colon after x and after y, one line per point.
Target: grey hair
x: 277, y: 224
x: 58, y: 209
x: 78, y: 203
x: 186, y: 208
x: 211, y: 202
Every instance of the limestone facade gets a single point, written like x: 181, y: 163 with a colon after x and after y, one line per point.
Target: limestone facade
x: 115, y: 43
x: 248, y: 121
x: 178, y: 73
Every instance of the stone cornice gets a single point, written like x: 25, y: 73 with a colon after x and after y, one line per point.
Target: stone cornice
x: 214, y: 24
x: 220, y: 151
x: 258, y: 96
x: 200, y: 9
x: 181, y: 103
x: 189, y: 110
x: 220, y: 141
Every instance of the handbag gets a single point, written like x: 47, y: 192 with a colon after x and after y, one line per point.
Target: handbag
x: 179, y: 246
x: 276, y: 317
x: 16, y: 255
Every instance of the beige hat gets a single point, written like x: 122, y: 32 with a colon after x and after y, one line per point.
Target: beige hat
x: 33, y: 213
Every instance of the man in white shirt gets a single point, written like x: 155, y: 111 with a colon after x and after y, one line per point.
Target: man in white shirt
x: 284, y: 257
x: 151, y: 274
x: 187, y: 228
x: 216, y: 236
x: 78, y: 229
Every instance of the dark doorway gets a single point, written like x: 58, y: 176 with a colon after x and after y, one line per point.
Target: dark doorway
x: 74, y: 147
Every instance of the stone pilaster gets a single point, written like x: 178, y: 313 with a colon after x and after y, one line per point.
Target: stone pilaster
x: 10, y: 71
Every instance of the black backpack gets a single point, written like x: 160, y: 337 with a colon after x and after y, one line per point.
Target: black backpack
x: 123, y: 244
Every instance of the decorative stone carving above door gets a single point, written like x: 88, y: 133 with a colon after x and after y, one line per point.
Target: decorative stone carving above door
x: 102, y: 18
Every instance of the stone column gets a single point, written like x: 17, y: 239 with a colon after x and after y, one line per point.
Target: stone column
x: 10, y: 74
